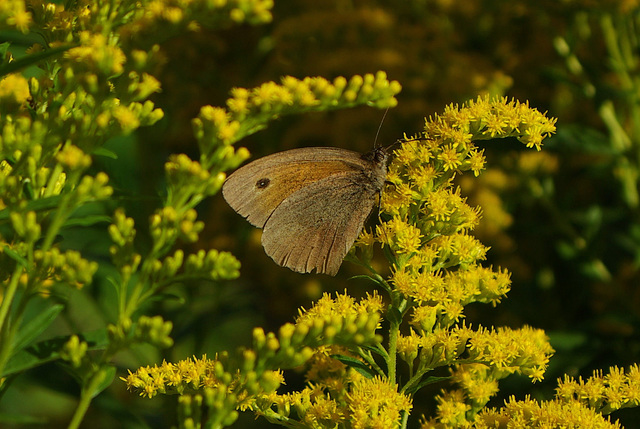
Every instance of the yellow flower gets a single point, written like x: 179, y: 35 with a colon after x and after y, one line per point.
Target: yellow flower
x: 20, y: 19
x: 408, y: 347
x: 450, y: 158
x: 452, y: 408
x: 438, y: 205
x: 127, y: 119
x: 14, y: 89
x: 476, y: 161
x: 73, y: 158
x: 376, y: 403
x: 97, y: 54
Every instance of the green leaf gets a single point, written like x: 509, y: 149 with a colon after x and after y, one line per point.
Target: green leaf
x: 394, y: 315
x: 356, y: 364
x: 36, y: 206
x: 362, y: 276
x: 32, y: 59
x: 106, y: 374
x: 22, y: 420
x: 47, y: 351
x: 36, y: 326
x: 4, y: 47
x: 87, y: 220
x: 425, y: 382
x: 102, y: 151
x: 31, y: 357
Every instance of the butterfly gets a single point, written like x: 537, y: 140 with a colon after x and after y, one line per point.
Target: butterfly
x: 311, y: 203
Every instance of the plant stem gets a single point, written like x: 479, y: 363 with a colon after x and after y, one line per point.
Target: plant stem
x: 393, y: 348
x: 7, y: 333
x: 85, y: 400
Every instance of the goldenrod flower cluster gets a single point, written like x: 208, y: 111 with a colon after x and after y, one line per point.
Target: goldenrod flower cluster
x: 174, y: 16
x: 186, y: 375
x: 337, y: 394
x: 359, y: 402
x: 578, y: 404
x: 434, y: 259
x: 603, y: 392
x: 435, y: 272
x: 292, y: 346
x: 532, y: 414
x: 250, y: 110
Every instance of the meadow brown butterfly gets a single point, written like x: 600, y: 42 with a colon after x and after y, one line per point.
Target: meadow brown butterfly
x: 311, y: 203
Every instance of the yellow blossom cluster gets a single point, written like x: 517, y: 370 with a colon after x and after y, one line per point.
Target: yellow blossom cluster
x: 58, y: 22
x: 426, y: 222
x: 170, y: 16
x: 342, y: 305
x: 604, y: 393
x: 525, y: 350
x: 447, y: 292
x: 532, y: 414
x: 504, y: 351
x: 376, y: 403
x: 249, y: 110
x: 344, y: 396
x: 577, y: 405
x: 97, y: 53
x: 188, y: 374
x: 14, y: 90
x: 292, y: 346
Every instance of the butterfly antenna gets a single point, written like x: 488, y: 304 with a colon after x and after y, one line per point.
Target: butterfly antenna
x: 375, y: 141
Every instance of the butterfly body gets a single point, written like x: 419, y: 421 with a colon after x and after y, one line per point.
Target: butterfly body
x: 311, y: 203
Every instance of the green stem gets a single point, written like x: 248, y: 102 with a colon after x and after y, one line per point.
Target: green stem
x: 53, y: 180
x: 85, y: 400
x: 7, y: 299
x: 394, y: 329
x: 371, y: 361
x: 405, y: 419
x: 6, y: 335
x: 56, y: 223
x: 415, y: 379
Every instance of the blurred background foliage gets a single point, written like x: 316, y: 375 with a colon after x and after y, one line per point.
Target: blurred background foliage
x: 564, y: 221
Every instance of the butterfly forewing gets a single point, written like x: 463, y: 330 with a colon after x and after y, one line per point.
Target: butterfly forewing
x: 256, y: 190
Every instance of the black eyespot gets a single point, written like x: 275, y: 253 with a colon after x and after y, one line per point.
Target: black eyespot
x: 262, y: 183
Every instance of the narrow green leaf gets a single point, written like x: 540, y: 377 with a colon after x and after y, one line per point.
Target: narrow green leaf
x: 87, y: 220
x: 36, y: 326
x: 4, y: 47
x: 362, y: 276
x: 32, y: 59
x: 102, y: 151
x: 356, y: 364
x: 34, y: 356
x: 22, y: 420
x: 48, y: 350
x: 425, y: 382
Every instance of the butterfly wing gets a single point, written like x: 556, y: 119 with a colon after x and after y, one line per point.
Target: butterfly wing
x: 314, y: 228
x: 311, y: 202
x: 258, y: 188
